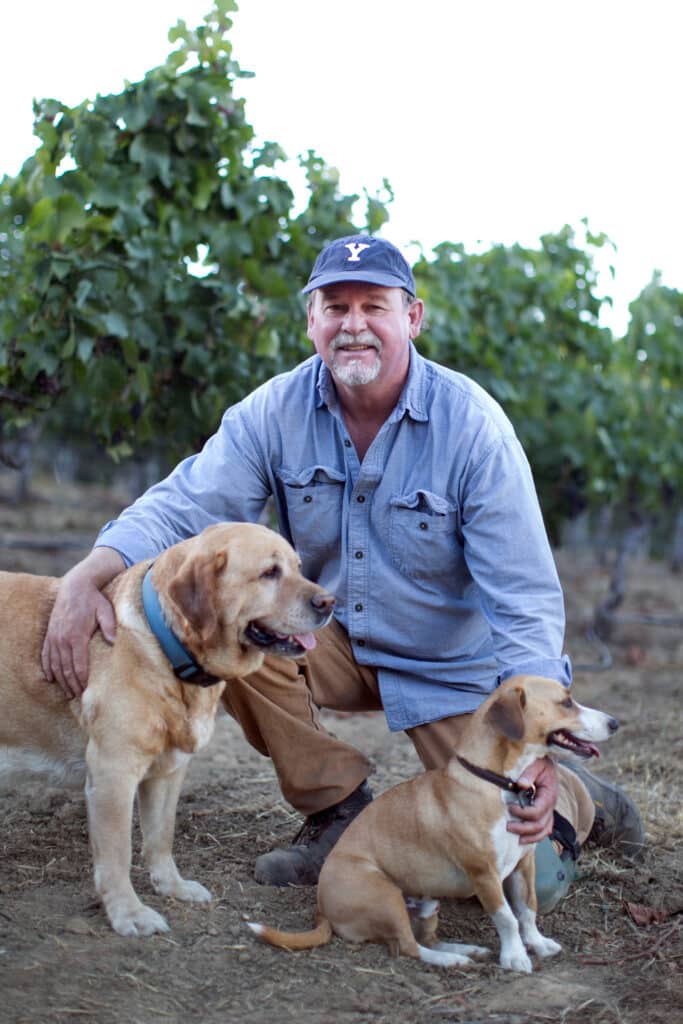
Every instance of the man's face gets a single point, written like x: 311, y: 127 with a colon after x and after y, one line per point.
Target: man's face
x: 361, y: 331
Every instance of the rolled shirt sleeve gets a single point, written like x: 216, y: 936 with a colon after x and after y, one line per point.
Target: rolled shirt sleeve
x: 226, y: 481
x: 508, y: 554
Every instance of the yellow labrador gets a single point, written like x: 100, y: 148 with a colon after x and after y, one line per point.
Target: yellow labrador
x: 206, y: 610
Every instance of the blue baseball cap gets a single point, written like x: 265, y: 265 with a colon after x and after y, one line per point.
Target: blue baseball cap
x: 361, y: 258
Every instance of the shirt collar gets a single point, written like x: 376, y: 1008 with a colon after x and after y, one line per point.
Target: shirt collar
x: 412, y: 399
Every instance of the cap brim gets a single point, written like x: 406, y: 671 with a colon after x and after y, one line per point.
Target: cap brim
x: 384, y: 280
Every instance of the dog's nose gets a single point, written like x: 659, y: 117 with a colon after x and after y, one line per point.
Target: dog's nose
x: 612, y: 725
x: 323, y: 602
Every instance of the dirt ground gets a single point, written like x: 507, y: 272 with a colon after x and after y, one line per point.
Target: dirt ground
x: 60, y: 962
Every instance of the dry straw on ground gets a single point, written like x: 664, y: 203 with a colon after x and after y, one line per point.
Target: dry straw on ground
x: 59, y: 961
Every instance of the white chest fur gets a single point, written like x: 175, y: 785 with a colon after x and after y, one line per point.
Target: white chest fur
x: 507, y: 847
x: 202, y: 729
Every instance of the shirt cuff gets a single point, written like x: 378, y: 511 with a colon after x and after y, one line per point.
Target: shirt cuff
x: 102, y: 542
x: 551, y: 668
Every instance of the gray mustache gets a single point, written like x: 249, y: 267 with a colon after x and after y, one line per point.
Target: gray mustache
x: 343, y: 339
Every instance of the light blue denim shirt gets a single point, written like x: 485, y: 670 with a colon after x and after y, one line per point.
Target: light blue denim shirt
x: 434, y: 545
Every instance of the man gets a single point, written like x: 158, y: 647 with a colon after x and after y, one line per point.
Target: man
x: 407, y: 494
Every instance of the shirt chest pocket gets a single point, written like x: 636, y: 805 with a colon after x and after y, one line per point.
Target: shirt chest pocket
x: 314, y: 499
x: 423, y: 535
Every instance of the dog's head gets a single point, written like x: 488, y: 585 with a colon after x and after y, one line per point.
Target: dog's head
x: 541, y: 715
x: 235, y: 593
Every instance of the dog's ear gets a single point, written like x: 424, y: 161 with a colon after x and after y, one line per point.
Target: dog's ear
x: 506, y: 713
x: 193, y: 592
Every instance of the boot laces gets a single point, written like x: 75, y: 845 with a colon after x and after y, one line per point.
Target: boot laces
x: 314, y: 826
x: 317, y: 824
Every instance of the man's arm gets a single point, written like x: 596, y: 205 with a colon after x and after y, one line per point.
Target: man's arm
x: 80, y: 608
x: 226, y: 481
x: 509, y: 556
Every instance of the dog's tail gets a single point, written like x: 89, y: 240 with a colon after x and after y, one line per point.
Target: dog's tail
x: 318, y: 936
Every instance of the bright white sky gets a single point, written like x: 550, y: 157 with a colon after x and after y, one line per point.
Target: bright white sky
x: 494, y: 120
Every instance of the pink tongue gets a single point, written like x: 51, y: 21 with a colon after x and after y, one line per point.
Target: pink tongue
x: 588, y: 748
x: 307, y: 641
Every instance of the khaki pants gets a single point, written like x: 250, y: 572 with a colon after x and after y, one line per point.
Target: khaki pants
x: 277, y: 708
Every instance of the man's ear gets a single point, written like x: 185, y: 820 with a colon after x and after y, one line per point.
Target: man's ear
x: 310, y: 315
x: 193, y: 594
x: 506, y: 713
x: 415, y: 317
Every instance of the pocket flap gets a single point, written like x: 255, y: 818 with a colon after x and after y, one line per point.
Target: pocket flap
x: 311, y: 476
x: 426, y: 502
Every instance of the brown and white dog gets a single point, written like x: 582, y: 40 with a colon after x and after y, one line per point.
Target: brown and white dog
x: 443, y: 835
x: 225, y: 599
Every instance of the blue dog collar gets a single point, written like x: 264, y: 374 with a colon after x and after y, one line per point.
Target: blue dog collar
x: 183, y: 663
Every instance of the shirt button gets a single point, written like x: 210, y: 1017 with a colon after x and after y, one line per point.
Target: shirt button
x: 347, y: 443
x: 308, y: 498
x: 424, y: 526
x: 359, y: 554
x: 360, y: 498
x: 361, y: 643
x: 358, y: 607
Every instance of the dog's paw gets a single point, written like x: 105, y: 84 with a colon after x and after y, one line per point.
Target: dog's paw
x: 441, y: 958
x: 546, y: 947
x: 141, y: 920
x: 518, y: 961
x: 461, y: 948
x: 178, y: 888
x: 194, y: 892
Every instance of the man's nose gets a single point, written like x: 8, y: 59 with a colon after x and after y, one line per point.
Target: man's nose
x: 354, y: 321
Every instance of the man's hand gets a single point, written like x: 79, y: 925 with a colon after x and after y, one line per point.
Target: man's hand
x: 80, y: 608
x: 536, y: 820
